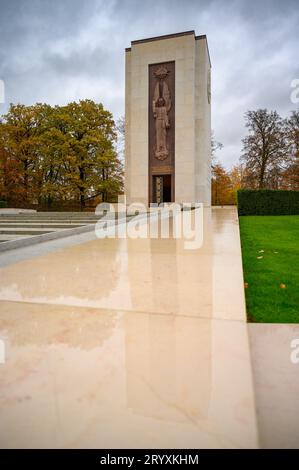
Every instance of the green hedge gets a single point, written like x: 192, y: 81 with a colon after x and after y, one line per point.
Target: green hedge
x: 3, y: 204
x: 267, y: 202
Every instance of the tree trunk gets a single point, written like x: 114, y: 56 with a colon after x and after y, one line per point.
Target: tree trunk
x: 26, y: 179
x: 262, y: 177
x: 82, y: 199
x: 82, y: 195
x: 49, y: 202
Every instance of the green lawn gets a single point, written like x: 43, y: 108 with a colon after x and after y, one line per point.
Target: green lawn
x: 278, y: 237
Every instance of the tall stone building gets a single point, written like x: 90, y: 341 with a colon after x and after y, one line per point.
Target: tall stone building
x: 168, y: 120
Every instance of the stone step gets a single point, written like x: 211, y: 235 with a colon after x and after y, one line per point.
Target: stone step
x: 49, y: 225
x: 54, y: 217
x: 6, y: 237
x: 46, y: 221
x: 24, y: 231
x: 46, y: 218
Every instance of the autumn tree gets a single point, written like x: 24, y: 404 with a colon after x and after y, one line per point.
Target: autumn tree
x: 265, y: 151
x: 92, y: 162
x: 236, y: 176
x: 10, y: 176
x: 50, y: 178
x: 120, y: 127
x: 20, y: 132
x: 220, y: 179
x: 219, y: 184
x: 61, y: 153
x: 291, y: 173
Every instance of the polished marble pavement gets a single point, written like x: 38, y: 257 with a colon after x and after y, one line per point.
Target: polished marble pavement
x: 275, y: 361
x: 122, y: 343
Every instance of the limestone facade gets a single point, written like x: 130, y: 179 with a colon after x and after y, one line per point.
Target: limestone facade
x: 192, y: 116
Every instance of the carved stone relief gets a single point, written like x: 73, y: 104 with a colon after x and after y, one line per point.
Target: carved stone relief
x: 161, y: 113
x: 161, y: 108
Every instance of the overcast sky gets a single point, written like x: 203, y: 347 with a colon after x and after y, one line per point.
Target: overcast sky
x: 58, y: 51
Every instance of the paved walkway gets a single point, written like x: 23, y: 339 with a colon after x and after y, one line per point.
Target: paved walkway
x: 276, y: 383
x: 128, y: 343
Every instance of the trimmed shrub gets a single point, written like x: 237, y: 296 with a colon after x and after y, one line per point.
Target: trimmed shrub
x: 3, y: 204
x: 267, y: 202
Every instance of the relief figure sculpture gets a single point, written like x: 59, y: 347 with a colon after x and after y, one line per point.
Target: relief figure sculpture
x: 162, y: 124
x: 161, y: 107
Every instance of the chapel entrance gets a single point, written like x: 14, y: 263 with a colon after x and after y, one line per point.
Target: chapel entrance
x: 162, y: 188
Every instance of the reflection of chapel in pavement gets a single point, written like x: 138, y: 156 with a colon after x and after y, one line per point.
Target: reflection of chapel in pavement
x: 168, y: 124
x: 172, y: 366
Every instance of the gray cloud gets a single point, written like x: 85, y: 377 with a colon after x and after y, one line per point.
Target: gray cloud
x: 61, y: 51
